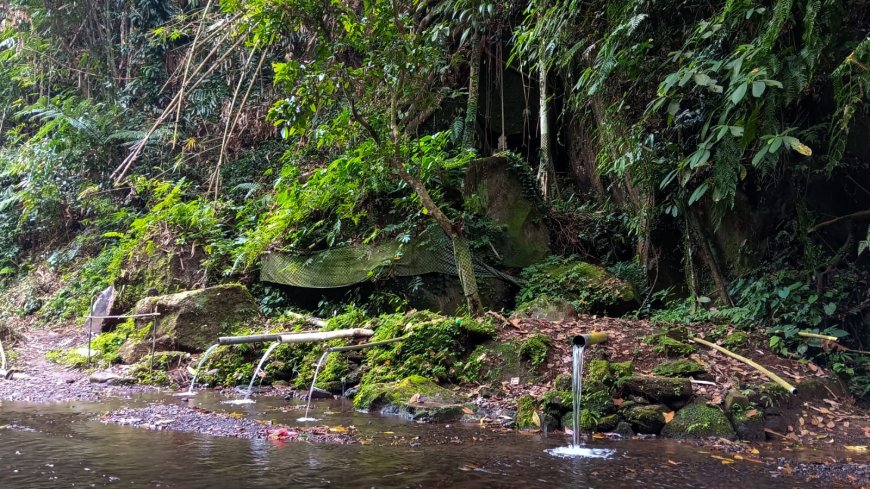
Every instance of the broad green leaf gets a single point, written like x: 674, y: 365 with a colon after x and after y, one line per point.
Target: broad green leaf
x: 698, y: 193
x: 758, y: 88
x: 739, y: 93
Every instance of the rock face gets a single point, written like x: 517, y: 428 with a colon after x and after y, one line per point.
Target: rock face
x: 192, y: 320
x: 493, y: 188
x: 647, y: 419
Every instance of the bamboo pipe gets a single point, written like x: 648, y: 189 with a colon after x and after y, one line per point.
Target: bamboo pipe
x: 589, y: 339
x: 325, y: 335
x: 257, y: 338
x: 807, y: 334
x: 772, y: 376
x: 365, y: 345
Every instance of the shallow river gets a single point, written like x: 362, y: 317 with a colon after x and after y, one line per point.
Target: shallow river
x: 65, y: 445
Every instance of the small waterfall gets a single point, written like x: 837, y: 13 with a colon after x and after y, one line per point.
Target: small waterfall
x: 577, y: 390
x: 313, y: 381
x: 198, y: 367
x: 259, y: 367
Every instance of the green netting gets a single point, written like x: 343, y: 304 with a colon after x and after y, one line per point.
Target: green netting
x: 348, y: 265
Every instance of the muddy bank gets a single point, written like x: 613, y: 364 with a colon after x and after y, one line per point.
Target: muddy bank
x: 197, y: 420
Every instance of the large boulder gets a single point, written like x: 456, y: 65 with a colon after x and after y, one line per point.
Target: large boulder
x: 193, y: 320
x: 506, y: 194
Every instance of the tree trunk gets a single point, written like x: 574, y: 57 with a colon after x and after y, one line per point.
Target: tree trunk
x: 469, y: 131
x: 465, y: 270
x: 546, y: 172
x: 708, y: 258
x: 461, y: 251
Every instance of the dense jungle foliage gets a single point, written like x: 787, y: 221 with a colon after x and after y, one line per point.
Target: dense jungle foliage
x: 714, y: 154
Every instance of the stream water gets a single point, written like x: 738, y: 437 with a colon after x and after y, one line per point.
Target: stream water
x: 65, y: 445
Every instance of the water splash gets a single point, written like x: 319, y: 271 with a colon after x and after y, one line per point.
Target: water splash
x: 574, y: 451
x: 311, y: 390
x: 259, y: 367
x: 198, y: 367
x: 577, y: 391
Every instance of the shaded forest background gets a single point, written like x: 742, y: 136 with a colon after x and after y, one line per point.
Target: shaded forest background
x: 713, y: 154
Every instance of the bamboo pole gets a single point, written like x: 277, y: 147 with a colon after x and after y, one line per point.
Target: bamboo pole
x: 325, y: 335
x: 588, y: 339
x: 807, y: 334
x: 366, y: 345
x: 772, y: 376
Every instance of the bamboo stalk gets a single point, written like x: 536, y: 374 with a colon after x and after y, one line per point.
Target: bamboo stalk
x: 807, y: 334
x: 366, y: 345
x: 128, y: 316
x: 325, y: 335
x: 772, y: 376
x: 2, y: 357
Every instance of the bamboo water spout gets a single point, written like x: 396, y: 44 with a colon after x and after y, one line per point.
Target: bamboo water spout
x: 588, y: 339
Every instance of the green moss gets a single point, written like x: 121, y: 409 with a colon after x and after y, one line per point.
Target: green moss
x: 535, y: 349
x: 646, y: 419
x: 699, y: 420
x: 588, y: 287
x: 736, y: 340
x: 373, y: 396
x: 436, y: 347
x: 526, y: 407
x: 679, y: 368
x: 671, y: 347
x: 157, y: 372
x: 604, y: 375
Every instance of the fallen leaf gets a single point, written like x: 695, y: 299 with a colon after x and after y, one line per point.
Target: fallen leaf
x: 337, y: 429
x: 536, y: 418
x: 669, y: 416
x: 415, y: 398
x: 856, y: 448
x: 467, y: 410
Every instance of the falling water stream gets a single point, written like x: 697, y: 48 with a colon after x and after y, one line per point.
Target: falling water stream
x: 198, y: 367
x: 311, y: 390
x: 247, y: 399
x: 576, y: 449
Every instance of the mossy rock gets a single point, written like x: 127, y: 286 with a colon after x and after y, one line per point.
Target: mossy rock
x: 604, y: 375
x: 675, y: 392
x: 588, y: 287
x: 590, y: 422
x: 672, y: 347
x: 546, y: 308
x: 646, y: 419
x: 679, y: 368
x: 748, y: 423
x: 535, y: 349
x: 431, y: 402
x: 494, y: 362
x: 736, y: 399
x: 736, y: 340
x: 698, y: 420
x: 196, y: 318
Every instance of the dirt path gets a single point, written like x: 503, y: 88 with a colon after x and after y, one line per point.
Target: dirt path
x: 39, y: 380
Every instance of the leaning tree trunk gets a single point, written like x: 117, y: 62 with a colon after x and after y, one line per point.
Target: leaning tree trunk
x: 546, y: 171
x: 708, y: 258
x: 469, y: 130
x: 461, y: 250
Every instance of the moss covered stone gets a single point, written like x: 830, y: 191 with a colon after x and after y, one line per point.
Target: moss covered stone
x: 672, y: 347
x: 699, y: 420
x: 736, y: 340
x: 588, y: 287
x: 679, y: 368
x: 546, y: 308
x: 395, y: 397
x: 194, y: 319
x: 675, y: 392
x: 646, y: 419
x: 155, y: 370
x: 604, y: 375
